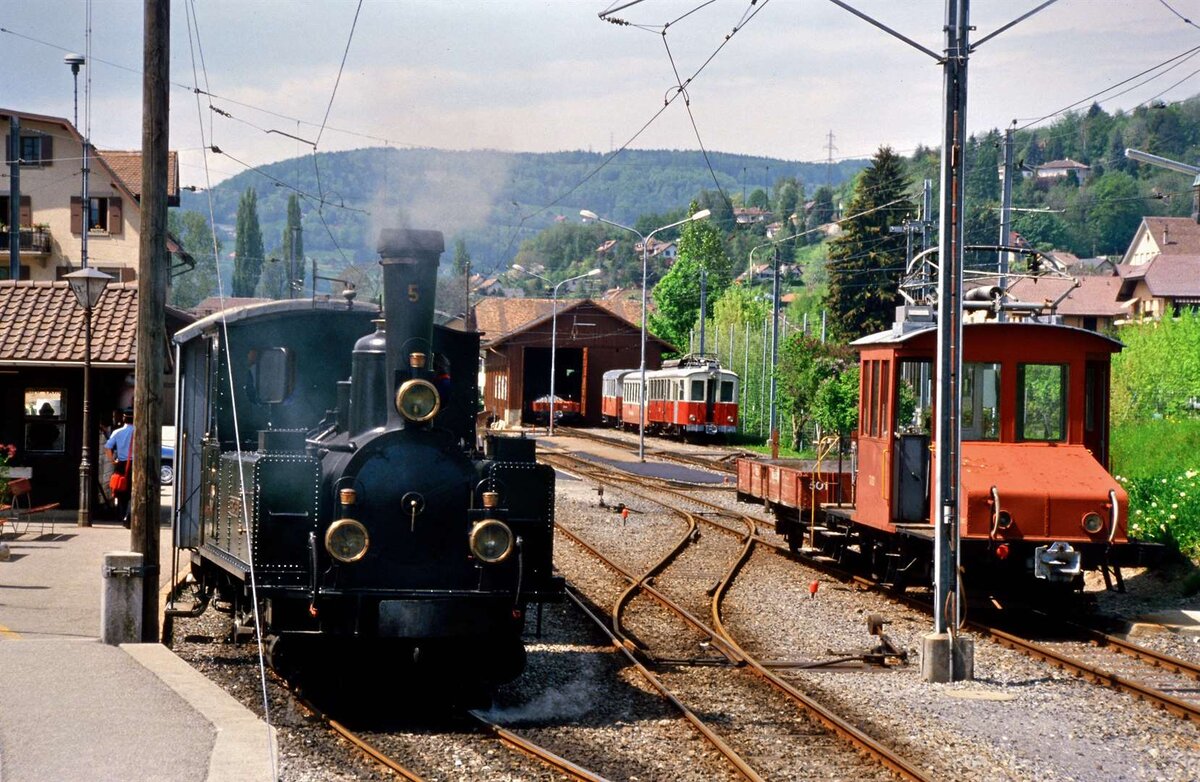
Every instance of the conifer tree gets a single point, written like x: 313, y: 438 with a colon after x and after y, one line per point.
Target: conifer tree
x: 867, y: 261
x: 248, y: 248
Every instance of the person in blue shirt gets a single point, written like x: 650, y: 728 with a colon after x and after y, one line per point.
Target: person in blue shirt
x: 120, y: 451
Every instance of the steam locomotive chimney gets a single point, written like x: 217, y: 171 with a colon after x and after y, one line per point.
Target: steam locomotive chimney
x: 410, y: 264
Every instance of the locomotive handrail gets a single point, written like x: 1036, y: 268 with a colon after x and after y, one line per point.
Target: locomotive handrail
x: 995, y: 513
x: 1114, y: 513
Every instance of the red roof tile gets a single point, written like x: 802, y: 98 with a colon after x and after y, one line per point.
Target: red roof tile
x: 128, y: 166
x: 1095, y: 295
x: 499, y: 318
x: 1182, y: 234
x: 41, y: 321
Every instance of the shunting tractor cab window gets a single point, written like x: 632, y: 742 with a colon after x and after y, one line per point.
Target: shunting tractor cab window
x: 1043, y: 402
x: 981, y: 401
x: 914, y: 396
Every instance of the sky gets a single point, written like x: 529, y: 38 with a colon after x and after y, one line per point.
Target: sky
x: 547, y: 75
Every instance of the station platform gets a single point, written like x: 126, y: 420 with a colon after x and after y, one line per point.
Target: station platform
x: 74, y: 708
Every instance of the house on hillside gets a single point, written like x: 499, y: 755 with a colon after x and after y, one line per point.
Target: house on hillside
x: 1057, y: 169
x: 750, y: 215
x: 1160, y: 272
x: 52, y: 213
x: 659, y: 249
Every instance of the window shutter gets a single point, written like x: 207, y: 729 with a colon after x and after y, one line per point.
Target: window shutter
x: 76, y: 215
x: 115, y: 226
x: 26, y: 212
x: 47, y: 149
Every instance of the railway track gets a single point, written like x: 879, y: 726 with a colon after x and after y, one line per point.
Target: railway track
x: 376, y: 749
x: 1166, y: 682
x: 721, y: 465
x: 828, y: 737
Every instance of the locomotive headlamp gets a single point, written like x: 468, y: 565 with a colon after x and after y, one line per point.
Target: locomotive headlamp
x: 1092, y: 523
x: 347, y: 540
x: 491, y: 540
x: 417, y: 400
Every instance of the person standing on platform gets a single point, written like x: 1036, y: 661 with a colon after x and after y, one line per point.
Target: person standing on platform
x: 120, y: 452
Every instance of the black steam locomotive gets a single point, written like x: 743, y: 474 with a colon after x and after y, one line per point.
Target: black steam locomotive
x: 359, y: 516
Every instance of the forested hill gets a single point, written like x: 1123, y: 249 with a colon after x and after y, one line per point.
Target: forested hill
x: 493, y: 200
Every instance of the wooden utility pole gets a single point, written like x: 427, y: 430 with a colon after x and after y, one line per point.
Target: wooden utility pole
x: 153, y: 271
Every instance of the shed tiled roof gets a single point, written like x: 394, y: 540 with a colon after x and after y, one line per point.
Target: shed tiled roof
x: 42, y: 322
x: 128, y: 166
x: 499, y: 318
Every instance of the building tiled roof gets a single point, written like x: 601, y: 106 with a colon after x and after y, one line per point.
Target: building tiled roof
x: 1172, y: 276
x: 128, y: 166
x: 1095, y: 296
x: 42, y: 322
x: 1174, y: 235
x: 1068, y: 163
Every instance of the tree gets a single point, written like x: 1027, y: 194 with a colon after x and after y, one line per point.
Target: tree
x: 867, y: 261
x: 283, y: 273
x: 1117, y: 209
x: 804, y: 363
x: 248, y: 248
x: 835, y: 407
x: 677, y: 294
x: 194, y: 285
x: 462, y: 258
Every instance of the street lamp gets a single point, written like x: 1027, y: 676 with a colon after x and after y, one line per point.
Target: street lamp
x: 88, y: 286
x: 588, y: 215
x: 75, y: 60
x: 553, y: 328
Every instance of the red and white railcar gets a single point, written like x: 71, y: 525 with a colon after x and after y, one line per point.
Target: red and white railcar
x: 688, y: 395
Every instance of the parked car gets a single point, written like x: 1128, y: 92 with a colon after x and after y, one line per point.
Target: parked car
x: 166, y: 473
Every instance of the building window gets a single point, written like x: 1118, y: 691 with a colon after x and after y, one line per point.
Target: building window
x: 6, y: 275
x: 33, y: 150
x: 45, y: 420
x: 103, y: 213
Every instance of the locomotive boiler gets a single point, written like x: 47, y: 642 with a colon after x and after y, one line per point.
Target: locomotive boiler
x: 331, y: 492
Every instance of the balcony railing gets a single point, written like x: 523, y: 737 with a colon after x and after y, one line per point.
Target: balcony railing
x: 33, y: 240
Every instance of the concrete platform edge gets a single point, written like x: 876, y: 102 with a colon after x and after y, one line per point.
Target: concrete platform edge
x: 245, y: 747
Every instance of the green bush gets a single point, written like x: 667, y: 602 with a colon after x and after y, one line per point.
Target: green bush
x: 1158, y: 463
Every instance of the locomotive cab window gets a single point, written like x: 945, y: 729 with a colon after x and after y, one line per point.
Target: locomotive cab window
x: 272, y: 372
x: 697, y: 390
x: 727, y: 391
x: 1042, y: 409
x: 981, y: 401
x: 914, y: 396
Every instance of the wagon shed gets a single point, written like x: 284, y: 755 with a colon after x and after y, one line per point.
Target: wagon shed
x: 593, y: 337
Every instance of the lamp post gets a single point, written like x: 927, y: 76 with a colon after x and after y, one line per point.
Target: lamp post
x: 75, y: 60
x: 588, y: 215
x: 553, y: 328
x: 88, y: 286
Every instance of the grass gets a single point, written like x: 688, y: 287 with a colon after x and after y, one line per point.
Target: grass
x: 1158, y: 462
